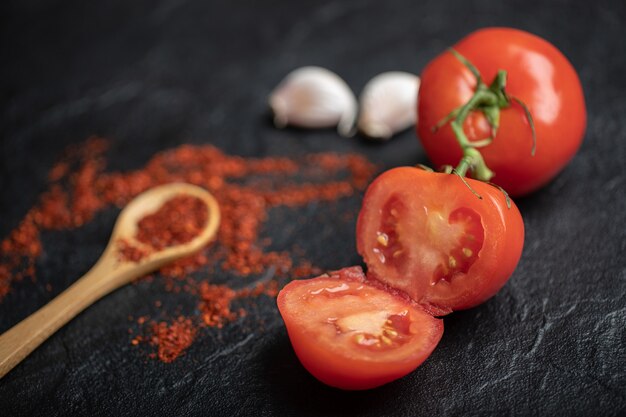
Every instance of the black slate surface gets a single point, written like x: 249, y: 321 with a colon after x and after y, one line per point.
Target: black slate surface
x: 151, y: 75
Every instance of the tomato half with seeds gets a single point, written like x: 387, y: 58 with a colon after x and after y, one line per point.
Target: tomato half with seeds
x: 538, y: 75
x: 430, y: 235
x: 353, y: 334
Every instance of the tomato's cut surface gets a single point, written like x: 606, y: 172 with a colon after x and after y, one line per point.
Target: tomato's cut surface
x: 537, y: 74
x: 353, y: 334
x: 429, y: 235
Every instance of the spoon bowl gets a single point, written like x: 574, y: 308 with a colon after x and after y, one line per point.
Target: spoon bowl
x: 110, y: 272
x: 148, y: 202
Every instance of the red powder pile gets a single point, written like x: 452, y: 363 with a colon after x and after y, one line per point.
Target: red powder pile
x: 177, y: 221
x: 129, y: 252
x: 246, y: 189
x: 172, y: 339
x: 215, y: 303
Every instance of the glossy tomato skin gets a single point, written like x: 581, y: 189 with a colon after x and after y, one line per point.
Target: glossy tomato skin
x: 428, y: 235
x: 539, y: 75
x: 323, y: 315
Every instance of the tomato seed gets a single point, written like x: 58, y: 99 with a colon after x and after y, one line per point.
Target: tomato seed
x: 381, y: 256
x: 390, y: 333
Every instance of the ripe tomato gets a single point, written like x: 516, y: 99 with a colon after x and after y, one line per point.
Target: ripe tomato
x: 429, y: 235
x: 353, y: 334
x: 538, y: 75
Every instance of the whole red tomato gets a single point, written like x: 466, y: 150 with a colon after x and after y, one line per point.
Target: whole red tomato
x: 537, y: 75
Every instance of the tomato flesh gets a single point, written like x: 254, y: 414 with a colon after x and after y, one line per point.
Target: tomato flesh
x: 458, y: 256
x: 430, y: 236
x: 353, y: 334
x: 457, y: 240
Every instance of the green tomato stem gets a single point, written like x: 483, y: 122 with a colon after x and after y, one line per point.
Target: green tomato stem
x: 489, y: 100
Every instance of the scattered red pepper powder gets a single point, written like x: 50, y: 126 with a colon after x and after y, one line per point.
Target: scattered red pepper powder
x: 246, y: 189
x: 215, y: 304
x: 172, y: 339
x: 215, y: 301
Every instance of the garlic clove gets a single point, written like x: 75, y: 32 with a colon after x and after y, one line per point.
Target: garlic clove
x: 314, y: 97
x: 388, y: 104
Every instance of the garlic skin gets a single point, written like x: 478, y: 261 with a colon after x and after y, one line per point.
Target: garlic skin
x: 314, y: 97
x: 388, y: 104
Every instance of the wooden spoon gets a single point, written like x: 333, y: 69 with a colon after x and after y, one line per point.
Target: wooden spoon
x: 109, y: 273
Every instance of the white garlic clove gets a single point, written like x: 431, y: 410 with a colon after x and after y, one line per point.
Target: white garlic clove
x: 314, y: 97
x: 388, y: 104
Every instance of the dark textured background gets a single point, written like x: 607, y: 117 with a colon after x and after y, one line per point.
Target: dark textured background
x: 151, y: 75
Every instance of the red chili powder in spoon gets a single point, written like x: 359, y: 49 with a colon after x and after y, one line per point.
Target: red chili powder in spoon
x: 176, y: 222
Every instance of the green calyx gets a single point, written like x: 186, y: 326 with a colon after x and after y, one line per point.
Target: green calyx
x: 488, y: 99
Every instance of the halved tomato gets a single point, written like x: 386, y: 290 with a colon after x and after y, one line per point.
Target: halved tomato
x: 353, y: 334
x: 448, y: 244
x: 433, y: 243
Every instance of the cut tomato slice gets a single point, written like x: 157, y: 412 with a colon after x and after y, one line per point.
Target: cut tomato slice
x: 353, y: 334
x: 448, y: 246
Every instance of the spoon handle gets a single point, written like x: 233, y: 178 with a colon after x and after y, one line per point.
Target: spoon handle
x: 19, y: 341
